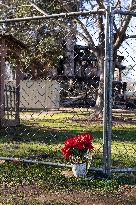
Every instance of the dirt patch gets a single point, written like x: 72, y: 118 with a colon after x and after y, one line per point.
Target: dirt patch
x: 87, y: 198
x: 125, y: 196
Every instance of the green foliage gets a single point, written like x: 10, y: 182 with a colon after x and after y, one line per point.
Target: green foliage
x: 41, y: 37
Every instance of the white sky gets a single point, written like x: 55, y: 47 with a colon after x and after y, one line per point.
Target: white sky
x: 128, y: 49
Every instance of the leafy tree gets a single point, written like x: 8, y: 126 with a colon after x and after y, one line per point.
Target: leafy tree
x: 92, y: 31
x: 91, y: 28
x: 42, y: 37
x: 97, y: 24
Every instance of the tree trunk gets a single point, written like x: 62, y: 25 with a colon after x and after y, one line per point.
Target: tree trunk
x: 69, y: 52
x: 69, y: 57
x: 100, y: 93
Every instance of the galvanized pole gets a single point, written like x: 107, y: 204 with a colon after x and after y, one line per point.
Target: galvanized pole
x: 110, y: 79
x: 105, y: 114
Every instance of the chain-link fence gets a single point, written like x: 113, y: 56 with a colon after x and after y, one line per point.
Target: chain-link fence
x: 61, y: 67
x: 124, y: 97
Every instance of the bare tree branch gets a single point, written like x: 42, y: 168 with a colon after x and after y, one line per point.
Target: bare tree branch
x: 120, y: 33
x: 86, y: 32
x: 133, y: 7
x: 66, y: 6
x: 37, y: 8
x: 60, y: 23
x: 131, y: 36
x: 100, y: 23
x: 4, y: 5
x: 83, y: 37
x: 44, y: 13
x: 83, y: 27
x: 118, y: 4
x: 114, y: 24
x: 100, y: 4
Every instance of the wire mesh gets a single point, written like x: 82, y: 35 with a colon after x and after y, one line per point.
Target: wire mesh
x: 56, y: 65
x: 59, y: 79
x: 124, y: 95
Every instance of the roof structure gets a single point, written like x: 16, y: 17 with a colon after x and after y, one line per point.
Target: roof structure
x: 11, y: 38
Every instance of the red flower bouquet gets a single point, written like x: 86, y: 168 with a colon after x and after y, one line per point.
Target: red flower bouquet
x: 77, y: 148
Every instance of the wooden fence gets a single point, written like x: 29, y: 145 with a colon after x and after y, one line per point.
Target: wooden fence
x: 9, y: 101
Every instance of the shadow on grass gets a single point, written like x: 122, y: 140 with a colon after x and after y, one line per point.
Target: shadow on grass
x: 34, y: 133
x: 33, y: 136
x: 31, y: 133
x: 48, y: 134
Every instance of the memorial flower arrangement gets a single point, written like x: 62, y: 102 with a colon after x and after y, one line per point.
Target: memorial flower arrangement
x: 77, y: 149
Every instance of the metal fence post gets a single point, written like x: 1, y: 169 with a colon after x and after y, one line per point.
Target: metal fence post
x: 105, y: 109
x: 109, y: 100
x: 108, y: 73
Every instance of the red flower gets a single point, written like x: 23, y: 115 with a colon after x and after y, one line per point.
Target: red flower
x: 69, y: 141
x: 80, y: 146
x: 89, y: 146
x: 66, y: 152
x: 77, y: 146
x: 86, y: 137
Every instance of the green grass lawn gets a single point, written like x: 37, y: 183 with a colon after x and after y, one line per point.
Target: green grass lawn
x: 41, y: 137
x: 45, y: 133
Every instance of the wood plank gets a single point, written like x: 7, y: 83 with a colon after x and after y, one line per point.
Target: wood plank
x: 18, y: 67
x: 2, y: 71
